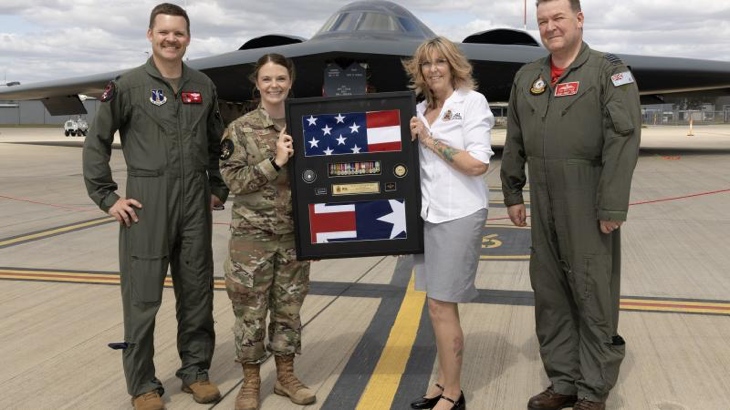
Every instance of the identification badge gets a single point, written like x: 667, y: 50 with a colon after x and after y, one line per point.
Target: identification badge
x: 622, y: 78
x: 158, y: 98
x: 191, y: 97
x: 567, y: 89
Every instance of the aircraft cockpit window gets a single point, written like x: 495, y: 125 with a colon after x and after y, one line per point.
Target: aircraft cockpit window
x: 409, y: 25
x: 341, y: 22
x: 378, y: 22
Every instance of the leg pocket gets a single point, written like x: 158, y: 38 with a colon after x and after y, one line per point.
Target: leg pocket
x: 147, y: 278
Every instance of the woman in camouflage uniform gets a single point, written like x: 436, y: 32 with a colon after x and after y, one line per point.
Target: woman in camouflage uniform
x: 262, y: 273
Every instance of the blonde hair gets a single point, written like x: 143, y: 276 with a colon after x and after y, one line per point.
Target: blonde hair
x: 461, y: 69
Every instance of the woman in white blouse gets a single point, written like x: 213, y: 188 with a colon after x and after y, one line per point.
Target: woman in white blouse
x: 453, y: 130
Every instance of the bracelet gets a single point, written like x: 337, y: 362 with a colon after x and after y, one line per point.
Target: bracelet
x: 273, y: 164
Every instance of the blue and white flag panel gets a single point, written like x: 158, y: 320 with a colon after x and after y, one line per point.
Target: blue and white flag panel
x: 383, y: 219
x: 351, y: 133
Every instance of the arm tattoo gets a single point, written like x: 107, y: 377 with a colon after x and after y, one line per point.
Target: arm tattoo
x: 446, y: 151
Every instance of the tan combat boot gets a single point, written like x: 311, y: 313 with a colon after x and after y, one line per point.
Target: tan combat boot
x: 148, y: 401
x: 248, y: 396
x: 288, y: 385
x: 203, y: 391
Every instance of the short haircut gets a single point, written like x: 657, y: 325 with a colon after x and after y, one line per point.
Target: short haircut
x: 170, y: 10
x: 461, y: 69
x: 574, y: 4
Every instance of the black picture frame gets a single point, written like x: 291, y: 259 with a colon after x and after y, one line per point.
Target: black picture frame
x: 363, y: 184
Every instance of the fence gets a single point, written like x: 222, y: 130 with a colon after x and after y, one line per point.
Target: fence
x: 682, y: 117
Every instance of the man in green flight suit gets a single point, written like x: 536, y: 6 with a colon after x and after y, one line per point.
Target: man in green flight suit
x: 574, y: 118
x: 170, y: 127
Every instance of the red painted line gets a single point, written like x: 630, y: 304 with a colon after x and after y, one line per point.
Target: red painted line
x: 681, y: 197
x: 47, y: 204
x: 677, y: 306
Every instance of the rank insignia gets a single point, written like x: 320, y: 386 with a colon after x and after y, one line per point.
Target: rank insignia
x: 109, y: 92
x: 226, y: 149
x: 191, y: 97
x: 447, y: 115
x: 158, y: 98
x: 538, y: 87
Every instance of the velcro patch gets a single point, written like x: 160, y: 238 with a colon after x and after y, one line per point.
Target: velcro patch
x: 191, y: 97
x: 109, y: 92
x: 622, y: 78
x: 566, y: 89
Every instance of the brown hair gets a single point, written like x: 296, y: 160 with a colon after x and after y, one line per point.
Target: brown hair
x: 574, y: 4
x: 170, y: 10
x: 461, y: 69
x: 275, y: 58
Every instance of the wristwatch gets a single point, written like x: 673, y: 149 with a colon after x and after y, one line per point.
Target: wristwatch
x: 273, y: 164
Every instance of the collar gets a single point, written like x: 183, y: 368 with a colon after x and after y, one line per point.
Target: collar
x: 263, y: 116
x: 580, y: 59
x: 152, y: 70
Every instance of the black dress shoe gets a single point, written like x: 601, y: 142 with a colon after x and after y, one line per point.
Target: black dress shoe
x: 458, y: 404
x: 427, y: 403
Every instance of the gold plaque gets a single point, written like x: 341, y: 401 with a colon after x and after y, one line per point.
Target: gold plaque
x: 356, y: 189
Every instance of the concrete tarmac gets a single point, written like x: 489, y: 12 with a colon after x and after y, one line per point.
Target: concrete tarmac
x: 367, y: 341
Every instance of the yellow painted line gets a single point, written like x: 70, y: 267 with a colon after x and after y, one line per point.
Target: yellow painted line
x: 56, y: 231
x: 504, y: 257
x: 383, y: 384
x: 77, y: 277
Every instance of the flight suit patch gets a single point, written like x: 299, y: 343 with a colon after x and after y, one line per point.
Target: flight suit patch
x: 109, y: 92
x: 622, y: 78
x: 158, y: 98
x: 191, y: 97
x: 567, y: 89
x: 538, y: 87
x: 227, y: 149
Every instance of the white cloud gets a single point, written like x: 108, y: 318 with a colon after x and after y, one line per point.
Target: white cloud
x: 80, y: 37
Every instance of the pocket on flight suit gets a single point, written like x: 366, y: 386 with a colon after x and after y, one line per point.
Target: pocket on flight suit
x: 620, y: 118
x: 147, y: 239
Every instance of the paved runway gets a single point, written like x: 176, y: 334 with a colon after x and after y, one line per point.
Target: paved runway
x: 366, y: 339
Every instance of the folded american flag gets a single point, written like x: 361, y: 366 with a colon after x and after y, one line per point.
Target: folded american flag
x: 382, y: 219
x: 351, y: 133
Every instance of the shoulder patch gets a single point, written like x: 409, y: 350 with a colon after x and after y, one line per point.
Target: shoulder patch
x: 109, y: 92
x: 227, y: 149
x: 622, y: 78
x: 613, y: 59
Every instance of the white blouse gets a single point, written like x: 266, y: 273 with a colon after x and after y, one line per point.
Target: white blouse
x: 465, y: 123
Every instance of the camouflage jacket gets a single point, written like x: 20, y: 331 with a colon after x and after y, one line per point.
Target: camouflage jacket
x: 262, y: 195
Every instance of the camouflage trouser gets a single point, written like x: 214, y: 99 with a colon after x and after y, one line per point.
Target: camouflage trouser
x: 262, y: 274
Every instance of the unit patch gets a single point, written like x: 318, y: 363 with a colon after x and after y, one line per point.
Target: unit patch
x: 447, y: 115
x: 109, y: 92
x: 538, y: 87
x: 566, y: 89
x: 227, y: 149
x: 158, y: 98
x: 191, y: 97
x: 622, y: 78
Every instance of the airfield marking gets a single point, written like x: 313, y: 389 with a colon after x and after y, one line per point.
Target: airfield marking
x: 628, y: 303
x: 386, y: 377
x: 34, y: 236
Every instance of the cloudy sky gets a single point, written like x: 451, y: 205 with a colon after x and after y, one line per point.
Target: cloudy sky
x: 52, y: 39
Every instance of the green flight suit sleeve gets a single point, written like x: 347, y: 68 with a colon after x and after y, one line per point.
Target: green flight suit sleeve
x: 512, y: 171
x: 110, y: 117
x: 621, y: 138
x: 244, y: 171
x: 215, y: 132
